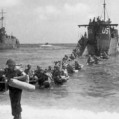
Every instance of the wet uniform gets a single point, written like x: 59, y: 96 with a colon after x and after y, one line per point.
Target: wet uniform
x: 14, y: 93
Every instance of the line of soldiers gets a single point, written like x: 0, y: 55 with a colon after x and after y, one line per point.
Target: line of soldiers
x: 58, y: 74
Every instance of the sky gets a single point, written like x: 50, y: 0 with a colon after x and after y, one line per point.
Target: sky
x: 53, y: 21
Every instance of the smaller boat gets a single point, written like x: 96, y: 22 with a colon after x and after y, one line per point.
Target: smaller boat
x: 46, y: 45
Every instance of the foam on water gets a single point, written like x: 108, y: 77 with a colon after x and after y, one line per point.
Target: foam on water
x: 43, y: 113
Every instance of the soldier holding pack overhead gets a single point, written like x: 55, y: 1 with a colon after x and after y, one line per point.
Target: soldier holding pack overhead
x: 15, y: 94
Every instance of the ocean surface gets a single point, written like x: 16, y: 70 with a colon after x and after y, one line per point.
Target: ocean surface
x: 92, y: 93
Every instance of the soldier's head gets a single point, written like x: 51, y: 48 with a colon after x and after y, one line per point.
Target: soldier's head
x: 29, y: 66
x: 11, y: 64
x: 49, y: 68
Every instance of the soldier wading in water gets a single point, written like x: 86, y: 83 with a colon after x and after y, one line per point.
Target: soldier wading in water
x: 14, y: 93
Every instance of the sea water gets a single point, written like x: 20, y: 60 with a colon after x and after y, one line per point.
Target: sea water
x: 92, y: 93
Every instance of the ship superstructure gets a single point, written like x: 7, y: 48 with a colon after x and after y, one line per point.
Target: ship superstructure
x: 7, y: 41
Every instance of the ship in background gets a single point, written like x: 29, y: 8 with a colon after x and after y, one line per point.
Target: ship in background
x: 101, y: 37
x: 46, y: 45
x: 7, y: 41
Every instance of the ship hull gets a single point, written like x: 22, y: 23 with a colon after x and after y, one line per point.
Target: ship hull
x: 105, y: 41
x: 8, y: 46
x: 8, y: 42
x: 111, y: 47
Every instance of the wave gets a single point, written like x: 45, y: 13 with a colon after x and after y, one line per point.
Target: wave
x: 51, y: 113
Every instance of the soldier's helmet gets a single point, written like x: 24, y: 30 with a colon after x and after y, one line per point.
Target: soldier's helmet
x: 10, y: 62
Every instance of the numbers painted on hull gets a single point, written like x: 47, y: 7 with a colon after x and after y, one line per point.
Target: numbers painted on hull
x: 105, y: 31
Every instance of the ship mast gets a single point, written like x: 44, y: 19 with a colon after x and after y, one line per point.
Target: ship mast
x: 2, y: 17
x: 104, y: 6
x: 101, y: 24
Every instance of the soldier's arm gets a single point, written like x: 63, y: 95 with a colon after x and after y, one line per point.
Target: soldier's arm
x: 22, y: 76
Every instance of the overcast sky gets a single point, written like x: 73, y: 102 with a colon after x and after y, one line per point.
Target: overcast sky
x: 53, y: 21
